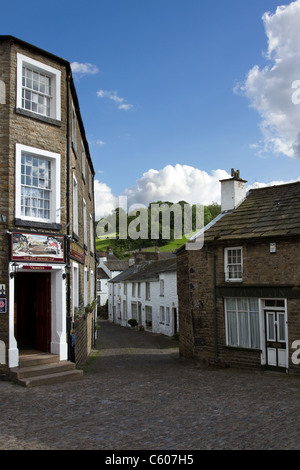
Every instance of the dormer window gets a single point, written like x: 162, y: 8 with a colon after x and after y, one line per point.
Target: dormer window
x: 233, y: 264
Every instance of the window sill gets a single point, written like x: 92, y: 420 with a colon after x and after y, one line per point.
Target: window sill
x: 33, y: 224
x: 240, y: 348
x: 39, y: 117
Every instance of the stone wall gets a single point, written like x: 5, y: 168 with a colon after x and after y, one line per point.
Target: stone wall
x: 83, y: 338
x: 202, y: 321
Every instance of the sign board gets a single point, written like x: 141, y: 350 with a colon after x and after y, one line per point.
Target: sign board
x: 3, y: 302
x: 77, y: 253
x: 37, y: 247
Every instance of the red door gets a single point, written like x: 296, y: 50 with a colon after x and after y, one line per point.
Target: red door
x: 33, y: 311
x: 43, y: 312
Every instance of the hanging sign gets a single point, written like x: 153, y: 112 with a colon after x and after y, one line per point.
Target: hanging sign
x: 37, y: 247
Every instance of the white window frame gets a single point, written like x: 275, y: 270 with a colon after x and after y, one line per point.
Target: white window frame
x: 124, y: 309
x: 133, y: 289
x: 134, y: 310
x: 83, y: 160
x: 55, y: 160
x: 237, y: 320
x: 148, y: 290
x: 75, y: 205
x: 91, y: 286
x: 90, y: 183
x: 75, y: 282
x: 74, y: 131
x: 85, y: 283
x: 84, y: 214
x: 228, y: 273
x: 55, y: 77
x: 91, y: 234
x: 162, y: 314
x: 161, y: 287
x: 167, y: 315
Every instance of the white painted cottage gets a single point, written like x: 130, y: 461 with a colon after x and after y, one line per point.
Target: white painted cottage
x: 109, y: 266
x: 147, y: 293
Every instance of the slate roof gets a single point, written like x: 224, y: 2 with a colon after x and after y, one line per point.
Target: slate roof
x: 116, y: 265
x: 273, y: 211
x: 149, y: 271
x: 101, y: 274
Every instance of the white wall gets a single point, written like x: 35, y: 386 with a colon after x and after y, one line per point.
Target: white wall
x: 123, y: 305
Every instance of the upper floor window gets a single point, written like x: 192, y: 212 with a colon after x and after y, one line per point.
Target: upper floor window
x: 37, y: 185
x: 162, y: 287
x: 91, y: 234
x: 75, y: 206
x: 83, y: 160
x: 74, y: 132
x: 233, y: 264
x: 147, y: 290
x: 38, y: 88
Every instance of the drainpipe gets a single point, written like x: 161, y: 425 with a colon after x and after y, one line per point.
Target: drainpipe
x: 69, y: 318
x: 215, y: 304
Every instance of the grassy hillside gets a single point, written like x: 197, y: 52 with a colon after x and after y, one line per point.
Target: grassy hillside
x: 123, y: 248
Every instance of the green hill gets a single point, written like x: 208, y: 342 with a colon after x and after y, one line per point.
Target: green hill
x: 123, y: 247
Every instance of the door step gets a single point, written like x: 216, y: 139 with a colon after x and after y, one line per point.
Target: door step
x: 43, y: 369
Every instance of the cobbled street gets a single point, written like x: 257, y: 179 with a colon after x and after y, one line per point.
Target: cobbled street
x: 137, y: 394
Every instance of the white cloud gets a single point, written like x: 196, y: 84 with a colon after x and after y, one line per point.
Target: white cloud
x: 171, y: 183
x: 105, y: 201
x: 270, y: 89
x: 113, y: 96
x: 177, y: 183
x: 84, y: 69
x: 272, y: 183
x: 100, y: 142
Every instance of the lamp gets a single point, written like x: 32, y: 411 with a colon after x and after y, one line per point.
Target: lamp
x: 67, y: 271
x: 14, y: 271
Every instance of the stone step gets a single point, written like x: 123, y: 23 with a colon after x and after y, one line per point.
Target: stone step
x: 29, y: 360
x: 43, y: 369
x: 49, y: 379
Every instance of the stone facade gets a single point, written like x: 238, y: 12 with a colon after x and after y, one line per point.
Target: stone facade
x: 36, y: 133
x: 270, y: 280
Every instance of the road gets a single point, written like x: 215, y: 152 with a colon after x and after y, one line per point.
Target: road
x: 137, y: 394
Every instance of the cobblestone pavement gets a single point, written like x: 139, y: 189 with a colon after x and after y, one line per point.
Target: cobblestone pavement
x: 137, y: 394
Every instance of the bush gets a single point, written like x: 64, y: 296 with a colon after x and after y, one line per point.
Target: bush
x: 132, y: 322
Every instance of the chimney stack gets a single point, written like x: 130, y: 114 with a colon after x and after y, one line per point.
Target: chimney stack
x: 233, y: 191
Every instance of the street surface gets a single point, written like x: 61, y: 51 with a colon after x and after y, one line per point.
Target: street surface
x: 137, y: 394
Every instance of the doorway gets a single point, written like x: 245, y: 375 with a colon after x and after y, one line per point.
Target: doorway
x: 276, y: 344
x: 33, y: 311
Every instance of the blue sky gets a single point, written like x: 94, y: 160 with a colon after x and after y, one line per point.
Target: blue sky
x: 157, y: 82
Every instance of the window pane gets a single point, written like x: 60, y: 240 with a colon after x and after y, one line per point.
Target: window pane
x: 243, y: 330
x: 33, y: 168
x: 232, y: 329
x: 254, y: 330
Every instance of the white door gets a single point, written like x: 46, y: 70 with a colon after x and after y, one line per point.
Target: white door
x: 276, y: 339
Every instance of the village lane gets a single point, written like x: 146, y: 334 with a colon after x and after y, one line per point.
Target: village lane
x: 137, y: 394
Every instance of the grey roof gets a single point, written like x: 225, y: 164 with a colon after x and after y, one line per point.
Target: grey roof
x: 116, y: 265
x: 148, y: 271
x: 271, y: 211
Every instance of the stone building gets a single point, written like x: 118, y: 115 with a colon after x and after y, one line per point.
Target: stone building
x: 239, y: 296
x: 47, y: 251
